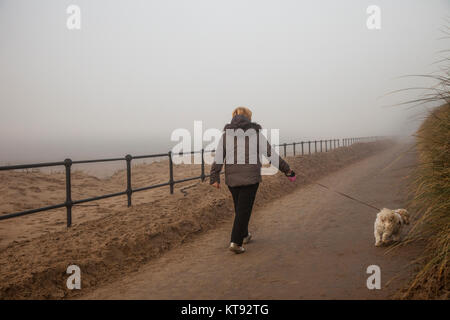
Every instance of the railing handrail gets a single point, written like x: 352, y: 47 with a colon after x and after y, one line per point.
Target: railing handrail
x: 67, y: 163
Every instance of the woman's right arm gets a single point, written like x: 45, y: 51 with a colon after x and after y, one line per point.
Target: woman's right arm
x: 283, y: 166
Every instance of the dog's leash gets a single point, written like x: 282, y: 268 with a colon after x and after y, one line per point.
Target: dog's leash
x: 347, y: 196
x: 343, y: 194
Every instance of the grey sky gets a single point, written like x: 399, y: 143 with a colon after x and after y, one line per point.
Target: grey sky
x: 137, y: 70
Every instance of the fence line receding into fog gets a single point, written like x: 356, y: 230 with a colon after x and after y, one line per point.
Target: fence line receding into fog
x: 306, y: 147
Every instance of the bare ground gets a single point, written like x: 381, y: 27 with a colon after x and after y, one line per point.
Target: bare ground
x: 309, y: 244
x: 112, y: 242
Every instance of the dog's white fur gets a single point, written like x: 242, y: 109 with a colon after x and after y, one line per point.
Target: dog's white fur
x: 388, y: 225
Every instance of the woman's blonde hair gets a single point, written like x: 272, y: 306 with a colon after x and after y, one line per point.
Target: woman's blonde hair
x: 242, y: 111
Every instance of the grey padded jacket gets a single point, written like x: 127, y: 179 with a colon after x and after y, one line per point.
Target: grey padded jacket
x: 241, y: 174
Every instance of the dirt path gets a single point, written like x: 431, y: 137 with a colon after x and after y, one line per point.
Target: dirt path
x: 311, y: 244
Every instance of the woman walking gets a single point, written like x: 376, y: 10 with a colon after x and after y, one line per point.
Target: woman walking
x: 242, y: 177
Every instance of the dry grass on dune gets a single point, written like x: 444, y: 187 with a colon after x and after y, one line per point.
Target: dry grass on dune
x: 432, y: 203
x: 431, y: 189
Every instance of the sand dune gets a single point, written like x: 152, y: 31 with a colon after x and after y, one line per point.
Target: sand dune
x: 22, y: 190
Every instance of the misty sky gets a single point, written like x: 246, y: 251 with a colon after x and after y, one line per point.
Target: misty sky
x: 139, y: 69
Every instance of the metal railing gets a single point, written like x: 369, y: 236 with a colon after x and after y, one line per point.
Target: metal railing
x: 320, y: 145
x: 67, y: 163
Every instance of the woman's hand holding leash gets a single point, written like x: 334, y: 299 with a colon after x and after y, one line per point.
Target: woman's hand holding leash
x: 291, y: 176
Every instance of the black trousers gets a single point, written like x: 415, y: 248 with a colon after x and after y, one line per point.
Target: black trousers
x: 243, y: 198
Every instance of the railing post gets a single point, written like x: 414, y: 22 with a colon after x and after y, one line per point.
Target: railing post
x: 339, y: 143
x: 284, y: 149
x: 326, y: 145
x: 293, y: 148
x: 302, y: 148
x: 128, y: 158
x: 69, y: 204
x: 170, y: 172
x: 320, y: 145
x: 309, y: 147
x: 203, y: 165
x: 315, y: 146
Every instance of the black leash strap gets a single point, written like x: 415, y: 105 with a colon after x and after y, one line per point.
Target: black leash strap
x: 347, y: 196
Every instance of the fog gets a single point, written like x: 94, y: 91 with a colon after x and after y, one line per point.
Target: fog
x: 137, y: 70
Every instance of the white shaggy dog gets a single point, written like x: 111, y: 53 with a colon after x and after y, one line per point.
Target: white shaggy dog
x: 388, y: 225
